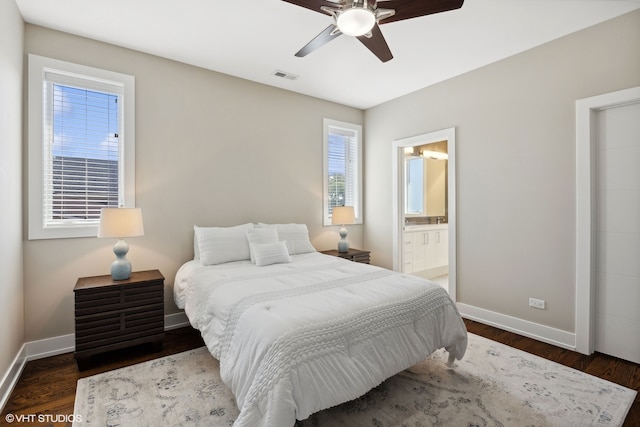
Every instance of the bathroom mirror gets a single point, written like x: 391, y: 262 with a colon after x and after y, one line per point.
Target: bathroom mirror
x: 425, y: 180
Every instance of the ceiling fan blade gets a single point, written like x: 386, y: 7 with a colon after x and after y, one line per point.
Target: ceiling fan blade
x: 329, y: 33
x: 377, y: 44
x: 312, y: 4
x: 407, y: 9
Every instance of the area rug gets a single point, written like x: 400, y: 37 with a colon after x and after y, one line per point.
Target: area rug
x: 494, y: 385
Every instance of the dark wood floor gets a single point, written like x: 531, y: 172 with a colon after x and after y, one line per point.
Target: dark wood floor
x: 48, y: 386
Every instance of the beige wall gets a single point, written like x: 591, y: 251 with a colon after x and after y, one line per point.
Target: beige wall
x: 210, y: 150
x: 515, y: 132
x: 11, y: 293
x: 199, y: 132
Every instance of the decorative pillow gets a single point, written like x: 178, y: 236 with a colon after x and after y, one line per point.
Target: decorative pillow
x: 261, y: 235
x: 271, y: 253
x: 296, y: 237
x: 217, y: 245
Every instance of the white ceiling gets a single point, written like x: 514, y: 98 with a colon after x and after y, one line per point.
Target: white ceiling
x: 253, y: 38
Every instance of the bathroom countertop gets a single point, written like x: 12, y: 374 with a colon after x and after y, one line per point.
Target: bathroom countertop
x: 425, y: 227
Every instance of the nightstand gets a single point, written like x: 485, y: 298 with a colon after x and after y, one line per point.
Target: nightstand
x: 355, y: 255
x: 111, y: 315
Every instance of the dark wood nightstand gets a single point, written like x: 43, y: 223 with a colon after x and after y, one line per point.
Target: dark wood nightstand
x: 111, y: 315
x: 355, y: 255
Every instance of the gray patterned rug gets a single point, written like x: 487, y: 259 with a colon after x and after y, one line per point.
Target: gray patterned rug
x: 494, y: 385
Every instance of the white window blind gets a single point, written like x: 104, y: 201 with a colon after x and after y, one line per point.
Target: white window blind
x: 82, y: 152
x: 81, y: 146
x: 343, y: 160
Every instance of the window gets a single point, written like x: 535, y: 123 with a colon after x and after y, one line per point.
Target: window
x: 81, y: 146
x: 342, y: 167
x: 414, y: 181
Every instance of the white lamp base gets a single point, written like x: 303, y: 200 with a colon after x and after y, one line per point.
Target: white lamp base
x: 121, y: 267
x: 343, y: 244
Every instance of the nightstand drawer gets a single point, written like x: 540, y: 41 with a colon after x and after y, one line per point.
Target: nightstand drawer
x: 116, y: 332
x: 98, y: 300
x: 115, y: 321
x: 361, y: 257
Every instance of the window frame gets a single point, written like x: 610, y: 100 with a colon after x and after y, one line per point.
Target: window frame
x: 356, y: 176
x: 92, y: 79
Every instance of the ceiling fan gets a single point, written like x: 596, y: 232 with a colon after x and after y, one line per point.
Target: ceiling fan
x: 361, y: 19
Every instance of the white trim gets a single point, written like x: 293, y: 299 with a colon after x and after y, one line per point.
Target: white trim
x: 38, y: 67
x: 359, y: 208
x: 48, y: 347
x: 12, y: 376
x: 533, y: 330
x: 585, y: 184
x: 448, y: 135
x: 175, y: 321
x: 53, y: 346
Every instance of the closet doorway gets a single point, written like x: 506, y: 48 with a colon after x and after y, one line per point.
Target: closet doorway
x: 424, y: 208
x: 607, y: 231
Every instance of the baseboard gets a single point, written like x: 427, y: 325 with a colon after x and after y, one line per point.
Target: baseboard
x: 526, y: 328
x: 175, y: 321
x: 50, y: 346
x: 47, y: 347
x: 11, y: 377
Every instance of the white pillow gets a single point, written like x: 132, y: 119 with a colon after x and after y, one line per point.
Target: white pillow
x: 271, y: 253
x: 261, y: 235
x: 217, y: 245
x: 296, y: 237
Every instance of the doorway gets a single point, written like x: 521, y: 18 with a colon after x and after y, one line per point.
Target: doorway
x: 617, y: 232
x: 607, y: 286
x: 435, y: 230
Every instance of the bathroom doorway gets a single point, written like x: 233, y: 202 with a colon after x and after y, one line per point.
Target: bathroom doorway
x: 424, y: 213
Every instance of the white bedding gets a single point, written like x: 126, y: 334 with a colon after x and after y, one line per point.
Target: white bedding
x: 296, y: 338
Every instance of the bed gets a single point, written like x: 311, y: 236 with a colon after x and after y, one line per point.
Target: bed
x: 297, y: 331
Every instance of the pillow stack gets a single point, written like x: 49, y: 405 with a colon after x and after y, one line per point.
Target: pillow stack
x: 264, y: 244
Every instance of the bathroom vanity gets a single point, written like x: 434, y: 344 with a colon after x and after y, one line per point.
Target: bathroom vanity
x: 425, y: 249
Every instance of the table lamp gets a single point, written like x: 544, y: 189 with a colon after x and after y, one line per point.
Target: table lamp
x: 342, y: 215
x: 120, y: 223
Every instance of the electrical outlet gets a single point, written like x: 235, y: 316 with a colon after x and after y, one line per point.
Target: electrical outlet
x: 536, y: 303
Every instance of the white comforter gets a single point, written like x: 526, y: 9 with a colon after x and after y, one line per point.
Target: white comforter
x: 293, y: 339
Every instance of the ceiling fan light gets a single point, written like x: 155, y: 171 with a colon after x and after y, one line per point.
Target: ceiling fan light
x: 356, y: 21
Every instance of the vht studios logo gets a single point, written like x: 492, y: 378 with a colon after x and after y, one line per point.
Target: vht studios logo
x: 43, y: 418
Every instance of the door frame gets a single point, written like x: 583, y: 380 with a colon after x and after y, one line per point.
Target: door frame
x: 397, y: 192
x: 586, y: 110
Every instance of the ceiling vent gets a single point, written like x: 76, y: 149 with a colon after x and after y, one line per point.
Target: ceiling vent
x: 285, y: 75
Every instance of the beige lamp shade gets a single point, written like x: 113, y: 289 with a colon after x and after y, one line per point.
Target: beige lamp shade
x: 120, y: 222
x: 342, y: 215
